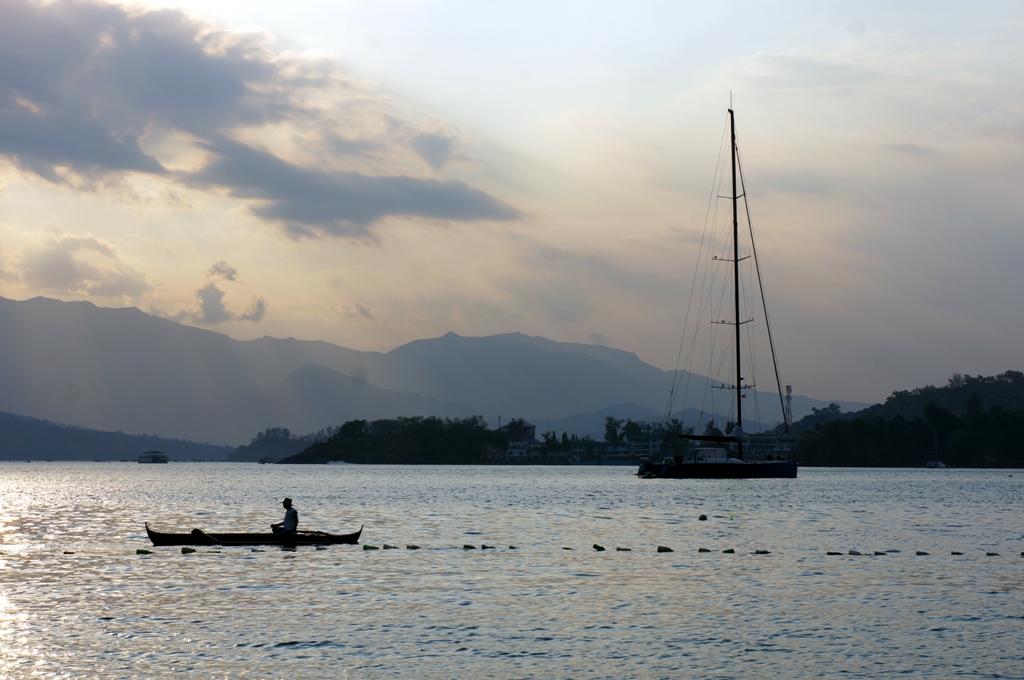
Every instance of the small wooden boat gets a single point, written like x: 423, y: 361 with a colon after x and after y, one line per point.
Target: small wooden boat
x: 200, y: 537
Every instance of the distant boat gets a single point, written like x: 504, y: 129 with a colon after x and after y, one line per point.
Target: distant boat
x: 935, y: 463
x: 734, y: 455
x: 152, y: 457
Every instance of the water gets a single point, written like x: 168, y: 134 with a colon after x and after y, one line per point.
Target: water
x: 537, y: 611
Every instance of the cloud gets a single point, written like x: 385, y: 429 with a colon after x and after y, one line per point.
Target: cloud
x: 311, y: 202
x: 910, y: 149
x: 358, y: 311
x: 80, y: 265
x: 212, y: 307
x: 223, y: 270
x: 256, y: 310
x: 90, y: 90
x: 434, y: 148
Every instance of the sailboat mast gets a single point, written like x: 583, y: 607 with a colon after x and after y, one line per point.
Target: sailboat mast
x: 736, y: 274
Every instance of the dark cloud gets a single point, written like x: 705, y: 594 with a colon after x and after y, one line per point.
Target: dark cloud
x: 434, y: 148
x: 69, y: 264
x: 256, y: 310
x: 83, y: 84
x: 212, y: 309
x: 313, y: 202
x: 358, y: 311
x: 223, y: 270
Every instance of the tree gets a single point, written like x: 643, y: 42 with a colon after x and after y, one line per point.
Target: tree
x: 516, y: 430
x: 974, y: 409
x: 830, y: 412
x: 939, y: 418
x: 633, y: 428
x: 711, y: 429
x: 613, y: 430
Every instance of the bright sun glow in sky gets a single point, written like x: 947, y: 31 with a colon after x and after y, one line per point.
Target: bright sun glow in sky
x: 370, y: 173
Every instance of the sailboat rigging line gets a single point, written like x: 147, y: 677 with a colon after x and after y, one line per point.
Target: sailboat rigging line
x: 676, y: 379
x: 764, y: 304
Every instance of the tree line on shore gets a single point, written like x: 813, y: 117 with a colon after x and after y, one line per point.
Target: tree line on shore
x: 969, y: 422
x: 438, y: 441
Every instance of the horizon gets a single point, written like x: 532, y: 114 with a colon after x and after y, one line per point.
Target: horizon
x: 371, y: 174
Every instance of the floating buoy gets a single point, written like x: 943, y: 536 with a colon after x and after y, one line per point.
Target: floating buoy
x: 512, y: 547
x: 186, y: 550
x: 469, y: 547
x: 991, y: 554
x: 665, y: 548
x: 618, y: 549
x: 879, y: 552
x: 729, y: 550
x: 143, y: 551
x: 598, y: 548
x: 854, y: 552
x: 921, y: 552
x: 730, y: 518
x: 370, y: 547
x: 762, y: 552
x: 703, y: 550
x: 830, y: 552
x: 487, y: 547
x: 390, y: 547
x: 412, y: 547
x: 703, y: 518
x: 956, y: 552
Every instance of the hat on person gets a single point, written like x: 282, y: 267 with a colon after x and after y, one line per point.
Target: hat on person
x: 287, y: 500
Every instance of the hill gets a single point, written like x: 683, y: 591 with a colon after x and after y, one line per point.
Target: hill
x: 23, y: 438
x: 122, y: 369
x: 969, y: 422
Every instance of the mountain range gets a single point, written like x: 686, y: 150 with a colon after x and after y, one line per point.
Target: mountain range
x: 123, y: 369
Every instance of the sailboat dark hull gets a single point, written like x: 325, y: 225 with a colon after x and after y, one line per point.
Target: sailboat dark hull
x: 766, y: 470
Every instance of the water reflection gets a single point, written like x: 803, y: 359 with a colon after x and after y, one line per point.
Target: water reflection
x: 538, y: 610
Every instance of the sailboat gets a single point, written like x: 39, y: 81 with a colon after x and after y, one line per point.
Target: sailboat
x: 935, y: 463
x: 733, y: 455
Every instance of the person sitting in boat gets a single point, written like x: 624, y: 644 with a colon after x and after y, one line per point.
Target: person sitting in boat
x: 291, y: 519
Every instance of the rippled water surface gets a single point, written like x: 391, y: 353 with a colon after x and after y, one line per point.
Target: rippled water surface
x: 536, y: 611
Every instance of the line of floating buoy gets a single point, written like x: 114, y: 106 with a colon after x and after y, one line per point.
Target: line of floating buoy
x: 597, y: 548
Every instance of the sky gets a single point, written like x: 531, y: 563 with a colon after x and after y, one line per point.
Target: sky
x: 371, y: 173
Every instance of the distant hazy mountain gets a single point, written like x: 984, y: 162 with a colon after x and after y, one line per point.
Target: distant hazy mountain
x: 122, y: 369
x: 23, y: 438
